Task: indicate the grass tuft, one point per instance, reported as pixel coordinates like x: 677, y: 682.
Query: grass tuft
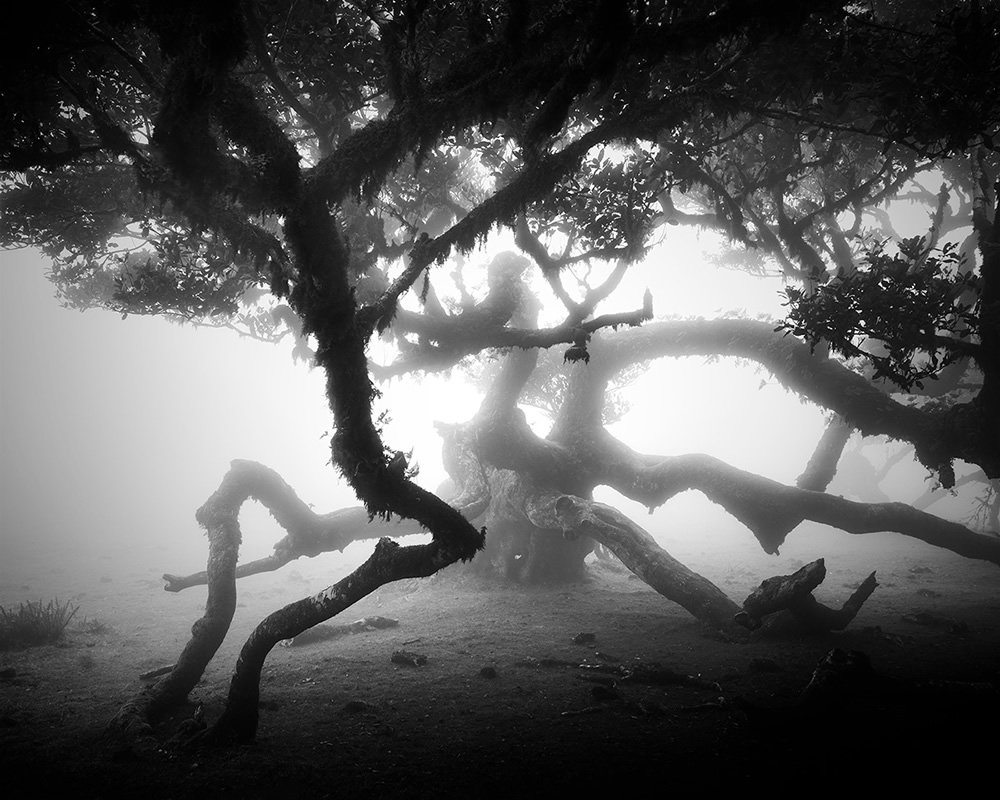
x: 33, y: 624
x: 93, y: 626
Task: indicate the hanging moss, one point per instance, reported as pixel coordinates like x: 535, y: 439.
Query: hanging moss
x: 245, y: 123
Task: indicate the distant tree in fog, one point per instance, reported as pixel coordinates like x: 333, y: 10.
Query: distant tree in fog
x: 323, y: 171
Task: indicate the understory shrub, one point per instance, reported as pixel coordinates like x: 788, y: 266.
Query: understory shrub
x: 33, y: 624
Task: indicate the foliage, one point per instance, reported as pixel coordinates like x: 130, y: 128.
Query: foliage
x: 305, y: 166
x: 910, y: 314
x: 731, y: 138
x: 228, y: 164
x: 34, y: 624
x: 609, y: 206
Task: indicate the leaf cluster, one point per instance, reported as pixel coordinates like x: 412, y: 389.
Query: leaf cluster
x: 193, y: 284
x: 609, y: 205
x: 427, y: 124
x: 909, y: 314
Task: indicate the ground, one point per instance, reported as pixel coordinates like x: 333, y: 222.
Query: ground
x: 339, y: 718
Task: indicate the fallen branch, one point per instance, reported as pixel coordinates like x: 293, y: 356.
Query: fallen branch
x: 793, y: 593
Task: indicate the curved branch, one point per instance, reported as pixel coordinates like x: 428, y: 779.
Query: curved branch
x: 939, y: 435
x: 219, y: 518
x: 771, y: 510
x: 308, y: 533
x: 532, y: 245
x: 460, y: 336
x: 390, y: 562
x: 523, y: 495
x: 821, y: 379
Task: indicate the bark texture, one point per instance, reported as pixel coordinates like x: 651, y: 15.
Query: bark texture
x: 308, y: 533
x: 641, y: 554
x: 822, y: 465
x: 794, y: 594
x: 389, y: 562
x: 219, y: 517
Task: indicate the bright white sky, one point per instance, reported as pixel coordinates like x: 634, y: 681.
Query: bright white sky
x: 113, y: 432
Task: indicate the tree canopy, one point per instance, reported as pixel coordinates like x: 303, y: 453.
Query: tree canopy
x: 322, y: 170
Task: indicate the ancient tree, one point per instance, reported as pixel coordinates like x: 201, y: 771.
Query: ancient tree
x: 323, y: 172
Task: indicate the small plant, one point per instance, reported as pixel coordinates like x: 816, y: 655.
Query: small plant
x: 92, y: 626
x: 34, y: 623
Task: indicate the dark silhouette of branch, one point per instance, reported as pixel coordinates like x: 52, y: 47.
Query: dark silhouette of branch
x: 822, y: 464
x: 270, y: 69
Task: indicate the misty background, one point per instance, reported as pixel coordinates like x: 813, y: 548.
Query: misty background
x: 113, y: 432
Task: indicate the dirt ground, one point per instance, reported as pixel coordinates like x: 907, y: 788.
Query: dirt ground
x: 507, y: 704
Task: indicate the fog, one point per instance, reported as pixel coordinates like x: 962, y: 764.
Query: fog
x: 113, y: 432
